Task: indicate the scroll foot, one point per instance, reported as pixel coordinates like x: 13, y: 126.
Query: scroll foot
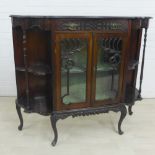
x: 53, y: 123
x: 139, y: 97
x: 130, y: 110
x: 20, y: 127
x: 123, y: 114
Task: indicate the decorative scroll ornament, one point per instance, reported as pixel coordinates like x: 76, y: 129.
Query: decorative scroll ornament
x: 69, y: 48
x: 71, y: 26
x: 69, y: 64
x: 111, y: 50
x: 91, y: 25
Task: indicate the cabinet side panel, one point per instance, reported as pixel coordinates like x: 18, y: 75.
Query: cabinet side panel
x: 33, y: 63
x: 132, y: 63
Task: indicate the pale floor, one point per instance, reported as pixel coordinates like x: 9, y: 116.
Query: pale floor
x: 90, y: 135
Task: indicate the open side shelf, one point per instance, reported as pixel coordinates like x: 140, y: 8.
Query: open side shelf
x: 36, y: 69
x: 132, y: 95
x: 38, y: 104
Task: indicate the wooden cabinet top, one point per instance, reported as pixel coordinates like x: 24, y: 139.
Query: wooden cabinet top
x: 80, y: 23
x: 70, y: 17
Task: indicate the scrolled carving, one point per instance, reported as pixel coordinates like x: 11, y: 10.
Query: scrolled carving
x: 90, y: 25
x: 26, y: 24
x: 55, y: 116
x: 85, y: 112
x: 72, y: 26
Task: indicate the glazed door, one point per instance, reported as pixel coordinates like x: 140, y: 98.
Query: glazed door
x: 109, y: 50
x: 73, y: 67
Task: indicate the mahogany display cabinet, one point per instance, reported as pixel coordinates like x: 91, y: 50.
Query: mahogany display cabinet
x: 77, y: 66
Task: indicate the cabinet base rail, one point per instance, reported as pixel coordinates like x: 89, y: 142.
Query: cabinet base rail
x: 55, y: 116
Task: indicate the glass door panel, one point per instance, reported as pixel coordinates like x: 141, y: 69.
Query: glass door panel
x: 74, y: 55
x: 73, y: 70
x: 108, y: 66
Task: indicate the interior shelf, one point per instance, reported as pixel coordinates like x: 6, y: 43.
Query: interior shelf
x: 78, y: 70
x: 74, y: 70
x: 105, y: 68
x: 109, y: 94
x: 36, y: 69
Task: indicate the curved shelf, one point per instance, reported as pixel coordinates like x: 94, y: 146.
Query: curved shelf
x: 74, y: 70
x: 36, y: 69
x: 78, y: 70
x: 105, y: 68
x: 38, y: 104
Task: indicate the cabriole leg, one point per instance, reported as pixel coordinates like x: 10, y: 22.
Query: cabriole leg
x: 20, y: 117
x: 123, y: 114
x: 130, y: 110
x: 53, y: 123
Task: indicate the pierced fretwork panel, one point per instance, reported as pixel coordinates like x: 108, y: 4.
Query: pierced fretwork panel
x: 108, y: 67
x: 73, y: 70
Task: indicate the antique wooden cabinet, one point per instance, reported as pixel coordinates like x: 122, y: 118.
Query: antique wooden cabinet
x: 77, y: 66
